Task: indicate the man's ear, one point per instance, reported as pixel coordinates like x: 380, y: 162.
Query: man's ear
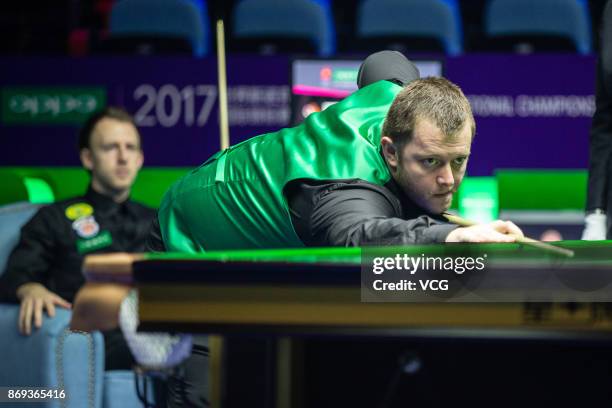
x: 390, y: 153
x: 86, y: 158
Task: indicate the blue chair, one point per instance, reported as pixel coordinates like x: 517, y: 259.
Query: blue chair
x: 54, y: 356
x: 535, y: 21
x: 301, y: 23
x: 411, y: 23
x: 144, y: 20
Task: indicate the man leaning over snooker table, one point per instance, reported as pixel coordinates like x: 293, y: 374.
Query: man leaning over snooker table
x: 377, y: 168
x: 337, y: 179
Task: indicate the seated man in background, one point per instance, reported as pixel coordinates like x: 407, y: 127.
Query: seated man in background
x: 44, y: 270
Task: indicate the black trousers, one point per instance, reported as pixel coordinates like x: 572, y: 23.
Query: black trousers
x: 189, y: 385
x: 117, y: 355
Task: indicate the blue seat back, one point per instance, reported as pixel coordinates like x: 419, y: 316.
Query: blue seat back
x: 563, y: 18
x: 289, y: 18
x: 174, y: 18
x: 420, y: 18
x: 12, y: 218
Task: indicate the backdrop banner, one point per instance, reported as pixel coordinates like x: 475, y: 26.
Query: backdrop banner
x: 531, y: 111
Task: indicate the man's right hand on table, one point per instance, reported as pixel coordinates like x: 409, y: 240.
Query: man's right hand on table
x: 34, y: 298
x: 496, y: 231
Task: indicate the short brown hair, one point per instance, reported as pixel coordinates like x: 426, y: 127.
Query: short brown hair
x: 111, y: 112
x: 433, y: 98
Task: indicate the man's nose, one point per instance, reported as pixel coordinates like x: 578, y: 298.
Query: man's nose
x: 122, y: 154
x: 445, y: 176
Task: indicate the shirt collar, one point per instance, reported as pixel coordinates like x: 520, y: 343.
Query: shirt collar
x: 103, y: 203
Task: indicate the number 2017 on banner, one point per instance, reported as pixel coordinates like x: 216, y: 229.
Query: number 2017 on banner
x: 169, y: 105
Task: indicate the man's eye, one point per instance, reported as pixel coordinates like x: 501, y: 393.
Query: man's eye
x: 459, y: 161
x: 430, y: 162
x: 108, y: 148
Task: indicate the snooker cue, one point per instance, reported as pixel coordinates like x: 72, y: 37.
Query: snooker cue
x: 215, y: 342
x: 522, y: 240
x: 222, y: 80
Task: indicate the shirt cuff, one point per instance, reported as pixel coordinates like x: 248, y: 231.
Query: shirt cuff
x: 438, y: 233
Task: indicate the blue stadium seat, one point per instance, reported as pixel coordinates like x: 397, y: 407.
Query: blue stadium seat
x: 408, y: 21
x: 530, y: 20
x: 162, y: 19
x: 293, y: 21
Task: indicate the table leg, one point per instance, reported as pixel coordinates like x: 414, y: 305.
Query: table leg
x: 215, y: 344
x: 289, y: 372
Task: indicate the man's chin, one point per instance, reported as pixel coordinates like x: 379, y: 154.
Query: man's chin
x: 433, y: 204
x: 439, y: 208
x: 122, y: 183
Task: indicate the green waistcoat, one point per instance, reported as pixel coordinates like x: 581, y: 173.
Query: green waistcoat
x: 235, y: 200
